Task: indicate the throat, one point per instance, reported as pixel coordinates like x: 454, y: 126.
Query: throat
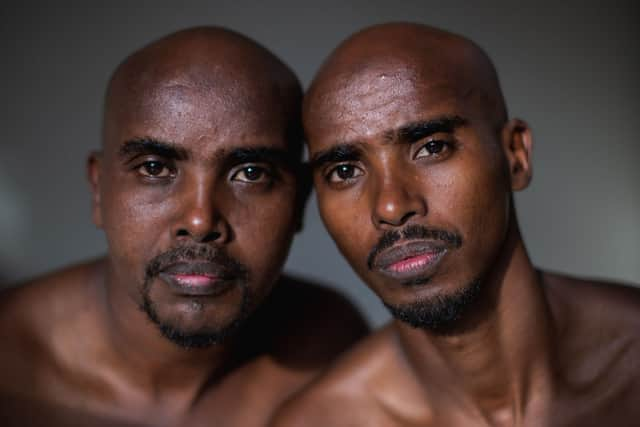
x: 502, y: 360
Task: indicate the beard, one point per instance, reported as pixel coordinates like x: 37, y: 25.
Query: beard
x: 440, y: 314
x: 198, y: 338
x: 204, y: 336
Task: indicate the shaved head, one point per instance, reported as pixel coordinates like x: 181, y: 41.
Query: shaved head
x: 402, y: 57
x: 240, y: 74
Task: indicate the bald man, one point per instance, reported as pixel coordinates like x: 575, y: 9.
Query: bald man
x: 413, y: 153
x: 187, y: 320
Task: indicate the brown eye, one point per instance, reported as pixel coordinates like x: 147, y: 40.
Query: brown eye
x: 154, y: 169
x: 432, y: 148
x: 250, y: 174
x: 344, y: 172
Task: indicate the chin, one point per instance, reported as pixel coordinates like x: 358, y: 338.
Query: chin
x: 440, y: 312
x: 203, y: 337
x: 196, y: 324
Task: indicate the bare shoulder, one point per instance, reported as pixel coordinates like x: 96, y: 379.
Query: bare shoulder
x: 296, y: 333
x: 608, y: 304
x: 312, y: 323
x: 369, y: 385
x: 598, y: 337
x: 29, y: 315
x: 26, y: 304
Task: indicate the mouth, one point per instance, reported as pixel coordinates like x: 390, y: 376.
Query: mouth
x: 411, y: 260
x: 197, y: 279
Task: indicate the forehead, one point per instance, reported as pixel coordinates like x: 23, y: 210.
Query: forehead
x: 368, y: 102
x: 184, y: 110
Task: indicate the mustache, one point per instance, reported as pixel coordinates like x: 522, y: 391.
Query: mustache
x: 228, y: 265
x: 413, y: 232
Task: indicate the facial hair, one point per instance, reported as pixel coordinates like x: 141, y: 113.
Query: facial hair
x: 440, y: 313
x: 204, y: 337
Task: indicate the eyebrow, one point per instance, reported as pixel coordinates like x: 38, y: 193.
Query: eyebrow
x: 147, y: 145
x: 408, y: 133
x: 272, y: 155
x: 343, y: 152
x: 414, y: 131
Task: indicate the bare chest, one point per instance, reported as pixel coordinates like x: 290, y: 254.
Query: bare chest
x: 246, y: 397
x: 615, y: 403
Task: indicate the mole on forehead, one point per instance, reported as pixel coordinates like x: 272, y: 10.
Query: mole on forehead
x: 388, y: 79
x: 386, y: 91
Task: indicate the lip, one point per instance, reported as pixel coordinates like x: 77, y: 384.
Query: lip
x: 197, y: 279
x: 410, y: 260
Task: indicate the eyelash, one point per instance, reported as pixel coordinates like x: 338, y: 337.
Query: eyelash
x: 142, y: 169
x: 268, y: 173
x: 335, y: 170
x: 445, y: 147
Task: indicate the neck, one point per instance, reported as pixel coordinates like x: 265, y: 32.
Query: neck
x: 145, y: 367
x: 499, y: 360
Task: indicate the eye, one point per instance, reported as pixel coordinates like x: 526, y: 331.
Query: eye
x: 344, y: 172
x: 251, y: 173
x: 154, y: 169
x: 433, y: 149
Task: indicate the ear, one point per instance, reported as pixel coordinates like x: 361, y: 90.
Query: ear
x: 517, y: 145
x: 304, y: 183
x: 93, y: 175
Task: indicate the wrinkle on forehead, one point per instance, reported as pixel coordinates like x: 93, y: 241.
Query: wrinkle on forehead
x: 183, y: 113
x: 381, y: 100
x: 385, y: 66
x: 206, y: 75
x: 223, y: 87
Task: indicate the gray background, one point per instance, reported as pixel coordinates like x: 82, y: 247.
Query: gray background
x: 571, y: 70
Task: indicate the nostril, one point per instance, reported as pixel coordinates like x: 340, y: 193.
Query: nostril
x: 406, y: 217
x: 211, y: 237
x: 397, y: 221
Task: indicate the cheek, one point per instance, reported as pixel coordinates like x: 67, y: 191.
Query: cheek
x: 489, y: 199
x: 263, y: 228
x: 135, y: 224
x: 348, y: 221
x: 477, y: 203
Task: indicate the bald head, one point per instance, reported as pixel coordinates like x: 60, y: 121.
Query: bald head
x: 239, y: 79
x: 401, y: 57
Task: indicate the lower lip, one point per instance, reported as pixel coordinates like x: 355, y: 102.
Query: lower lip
x: 196, y: 284
x: 195, y: 279
x: 419, y: 265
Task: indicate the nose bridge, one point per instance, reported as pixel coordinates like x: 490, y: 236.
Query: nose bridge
x: 201, y: 206
x: 397, y: 198
x: 200, y: 216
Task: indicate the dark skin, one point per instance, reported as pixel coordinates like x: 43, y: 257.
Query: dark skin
x: 199, y: 151
x: 407, y: 128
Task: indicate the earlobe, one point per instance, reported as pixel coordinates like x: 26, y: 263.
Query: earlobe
x: 93, y: 175
x: 518, y: 145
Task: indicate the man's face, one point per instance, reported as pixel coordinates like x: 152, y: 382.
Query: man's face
x: 197, y: 196
x: 412, y: 186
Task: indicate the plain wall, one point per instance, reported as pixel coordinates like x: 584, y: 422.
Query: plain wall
x: 570, y: 70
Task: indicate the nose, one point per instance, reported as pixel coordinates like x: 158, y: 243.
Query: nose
x: 397, y: 199
x: 200, y: 216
